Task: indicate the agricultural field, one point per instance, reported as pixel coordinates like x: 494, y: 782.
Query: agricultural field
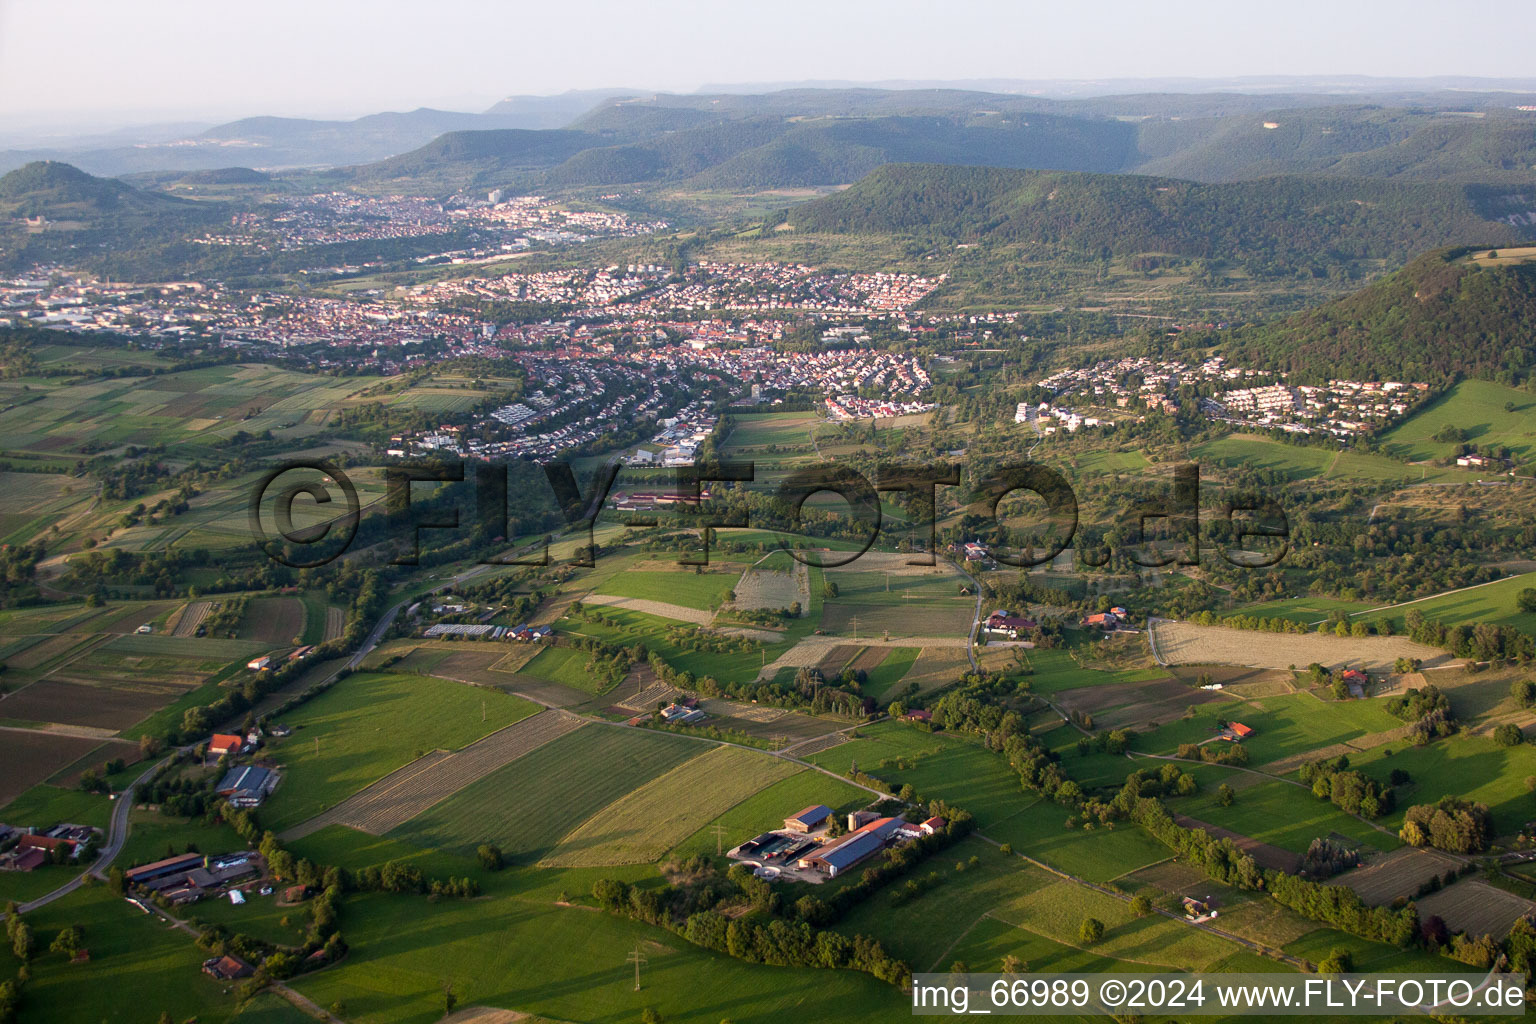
x: 777, y: 582
x: 647, y: 822
x: 1472, y: 767
x: 1475, y: 907
x: 409, y: 791
x: 519, y: 955
x: 905, y: 602
x: 767, y: 808
x: 191, y: 407
x: 1308, y: 610
x: 890, y: 670
x: 1055, y: 911
x: 527, y: 806
x: 274, y: 621
x: 1396, y: 875
x: 28, y: 756
x: 1298, y: 462
x: 1038, y: 828
x: 703, y: 591
x: 949, y: 910
x: 565, y: 666
x: 1477, y: 408
x: 1492, y: 603
x: 1183, y: 643
x: 739, y: 664
x: 1137, y: 705
x: 370, y: 724
x: 36, y: 501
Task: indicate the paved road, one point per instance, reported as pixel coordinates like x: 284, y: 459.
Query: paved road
x: 117, y: 835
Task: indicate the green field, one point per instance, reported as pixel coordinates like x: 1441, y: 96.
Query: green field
x: 1473, y: 767
x: 648, y: 821
x: 139, y: 967
x: 739, y: 664
x: 773, y: 428
x: 885, y: 676
x: 702, y: 591
x: 1283, y: 725
x: 1493, y: 603
x: 1298, y: 462
x: 1475, y: 407
x: 767, y: 809
x: 563, y: 665
x: 368, y: 725
x: 527, y: 806
x: 949, y: 910
x: 1302, y: 609
x: 1038, y: 829
x: 1277, y: 813
x: 568, y: 964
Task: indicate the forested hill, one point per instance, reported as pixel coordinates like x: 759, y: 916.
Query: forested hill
x: 1274, y: 221
x: 1443, y: 315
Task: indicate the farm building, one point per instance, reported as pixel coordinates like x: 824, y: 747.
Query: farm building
x: 1237, y: 732
x: 223, y: 743
x: 1106, y: 621
x: 919, y: 715
x: 147, y: 874
x: 259, y: 664
x: 853, y: 848
x: 22, y: 860
x: 247, y: 786
x: 227, y: 968
x: 1358, y: 682
x: 808, y: 819
x: 681, y: 714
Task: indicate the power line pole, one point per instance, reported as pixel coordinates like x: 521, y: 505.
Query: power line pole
x: 855, y: 623
x: 637, y: 958
x: 719, y: 831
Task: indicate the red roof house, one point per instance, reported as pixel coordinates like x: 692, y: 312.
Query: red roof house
x: 1239, y: 730
x: 223, y: 743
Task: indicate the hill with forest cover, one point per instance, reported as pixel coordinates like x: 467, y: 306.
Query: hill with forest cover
x: 1262, y: 224
x: 468, y: 155
x: 1442, y: 316
x: 89, y: 219
x: 61, y: 192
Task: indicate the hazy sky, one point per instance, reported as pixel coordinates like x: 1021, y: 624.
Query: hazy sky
x: 119, y: 60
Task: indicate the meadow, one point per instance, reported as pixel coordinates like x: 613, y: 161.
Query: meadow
x: 1478, y: 409
x: 368, y: 725
x: 1283, y: 725
x: 566, y: 963
x: 704, y: 591
x: 1303, y: 462
x: 1493, y: 603
x: 139, y: 967
x: 563, y: 665
x: 1277, y: 813
x: 738, y: 665
x: 1472, y: 767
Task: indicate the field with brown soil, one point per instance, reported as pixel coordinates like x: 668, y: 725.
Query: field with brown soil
x: 115, y: 708
x: 1396, y: 875
x: 1183, y: 643
x: 1475, y: 907
x: 28, y: 756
